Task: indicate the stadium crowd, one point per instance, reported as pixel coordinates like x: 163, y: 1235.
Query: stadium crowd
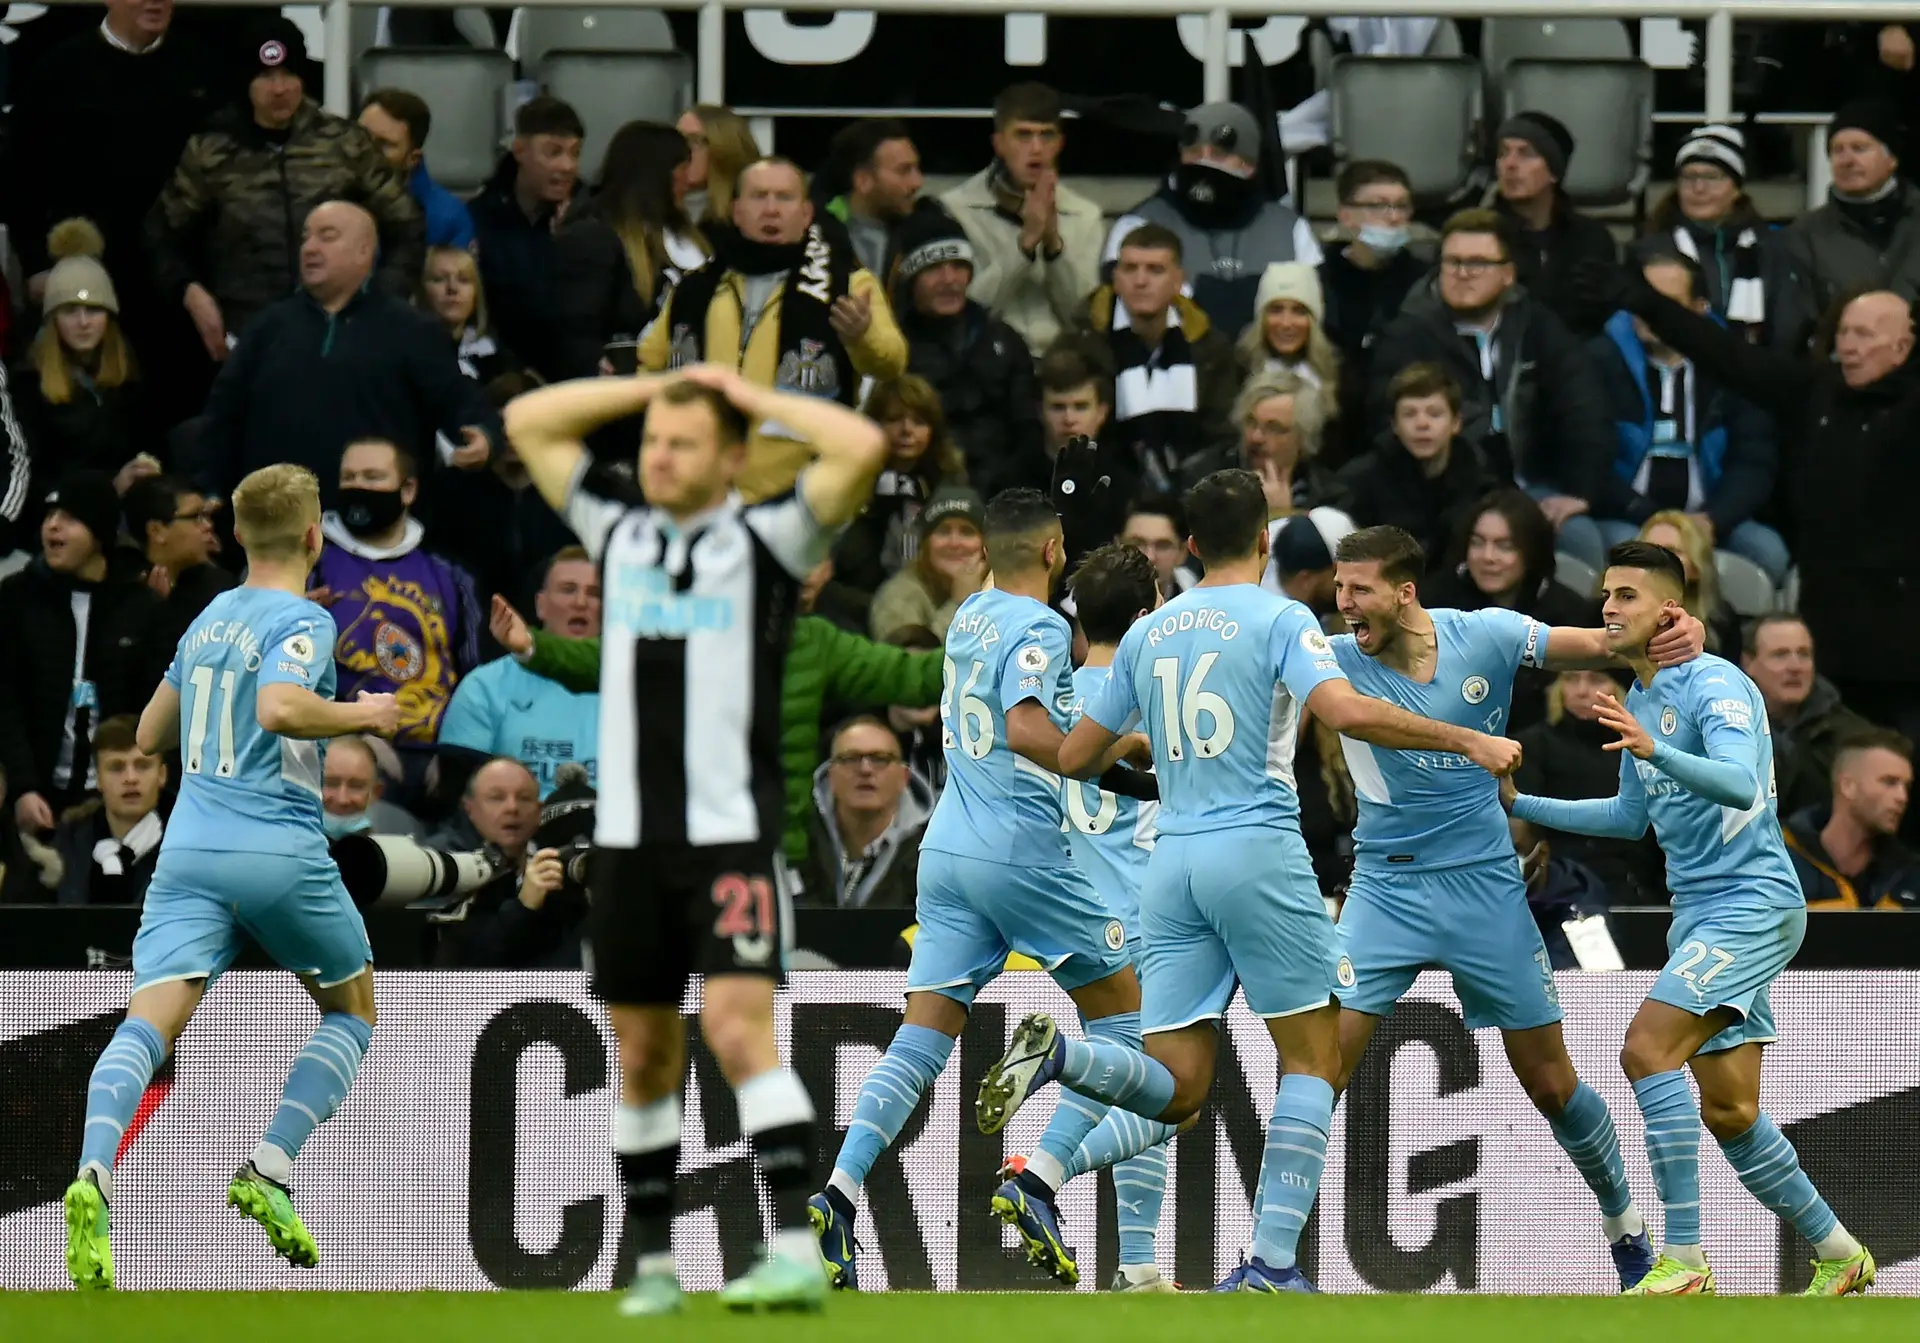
x: 233, y: 277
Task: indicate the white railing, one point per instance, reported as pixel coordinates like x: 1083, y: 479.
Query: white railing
x: 710, y: 63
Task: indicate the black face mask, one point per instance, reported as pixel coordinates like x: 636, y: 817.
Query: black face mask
x: 370, y: 512
x: 1213, y: 197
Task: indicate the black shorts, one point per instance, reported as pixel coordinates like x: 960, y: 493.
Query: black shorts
x: 662, y: 914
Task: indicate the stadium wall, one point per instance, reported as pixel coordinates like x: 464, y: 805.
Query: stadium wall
x: 472, y: 1152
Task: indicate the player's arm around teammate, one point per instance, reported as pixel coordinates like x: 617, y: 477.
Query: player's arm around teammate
x: 1572, y: 649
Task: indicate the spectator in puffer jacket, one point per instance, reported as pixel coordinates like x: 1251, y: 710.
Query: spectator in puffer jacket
x: 226, y: 231
x: 1550, y: 237
x: 978, y: 364
x: 823, y: 664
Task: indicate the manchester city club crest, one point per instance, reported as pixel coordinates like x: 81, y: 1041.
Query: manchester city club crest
x: 1669, y: 720
x: 1344, y: 973
x: 809, y: 370
x: 1116, y: 935
x: 1473, y: 689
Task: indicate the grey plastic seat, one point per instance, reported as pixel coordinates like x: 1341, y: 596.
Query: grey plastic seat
x: 610, y: 88
x: 541, y: 31
x: 1503, y: 41
x: 465, y: 88
x: 1744, y: 585
x: 1423, y: 113
x: 1607, y: 105
x: 1572, y: 572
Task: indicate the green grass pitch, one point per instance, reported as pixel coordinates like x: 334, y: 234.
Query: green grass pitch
x: 561, y: 1317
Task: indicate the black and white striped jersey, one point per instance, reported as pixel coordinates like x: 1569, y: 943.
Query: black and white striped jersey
x: 696, y: 622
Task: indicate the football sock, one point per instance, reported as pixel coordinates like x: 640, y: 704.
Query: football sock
x: 120, y: 1077
x: 646, y: 1148
x: 914, y: 1058
x: 1673, y: 1150
x: 1584, y: 1130
x: 321, y: 1076
x: 1295, y: 1157
x: 1770, y: 1169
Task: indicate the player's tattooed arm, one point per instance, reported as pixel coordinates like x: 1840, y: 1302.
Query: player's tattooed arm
x: 1352, y: 714
x: 1570, y: 649
x: 159, y: 728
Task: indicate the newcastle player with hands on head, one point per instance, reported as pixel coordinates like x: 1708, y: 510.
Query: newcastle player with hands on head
x: 699, y: 594
x: 1696, y: 760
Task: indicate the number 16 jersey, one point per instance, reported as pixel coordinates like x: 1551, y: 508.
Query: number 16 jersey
x: 243, y: 789
x: 1216, y: 678
x: 1002, y: 649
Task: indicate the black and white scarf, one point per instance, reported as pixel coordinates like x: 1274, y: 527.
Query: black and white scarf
x: 1156, y: 397
x: 1746, y: 291
x: 812, y: 360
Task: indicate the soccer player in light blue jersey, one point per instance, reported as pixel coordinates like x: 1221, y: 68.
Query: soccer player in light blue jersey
x: 1217, y: 678
x: 996, y: 876
x: 1436, y: 883
x: 1111, y: 838
x: 1696, y: 760
x: 247, y: 696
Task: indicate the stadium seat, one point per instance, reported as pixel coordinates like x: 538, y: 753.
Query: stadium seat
x: 1572, y: 572
x: 1422, y: 112
x: 465, y: 88
x: 610, y: 88
x: 1608, y: 107
x: 1790, y: 593
x: 542, y: 31
x: 1744, y: 585
x: 1503, y: 41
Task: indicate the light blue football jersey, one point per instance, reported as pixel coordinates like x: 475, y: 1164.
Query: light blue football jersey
x: 1216, y: 678
x: 1111, y: 836
x: 1423, y: 810
x: 501, y: 708
x: 1709, y: 708
x: 243, y: 789
x: 1001, y: 649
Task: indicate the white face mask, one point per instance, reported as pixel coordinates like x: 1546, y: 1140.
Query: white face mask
x: 1382, y: 238
x: 339, y: 827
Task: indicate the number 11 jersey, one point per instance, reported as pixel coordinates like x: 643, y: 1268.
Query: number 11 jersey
x: 1216, y: 678
x: 1002, y: 649
x: 242, y: 788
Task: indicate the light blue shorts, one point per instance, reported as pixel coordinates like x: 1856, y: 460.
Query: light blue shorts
x: 1238, y: 905
x: 973, y: 912
x: 1473, y: 922
x: 1726, y: 954
x: 201, y: 906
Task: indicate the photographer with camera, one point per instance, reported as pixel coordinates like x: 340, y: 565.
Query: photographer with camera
x: 532, y: 914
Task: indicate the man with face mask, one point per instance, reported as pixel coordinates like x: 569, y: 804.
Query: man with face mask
x: 351, y: 793
x: 1229, y: 231
x: 1366, y: 279
x: 409, y: 622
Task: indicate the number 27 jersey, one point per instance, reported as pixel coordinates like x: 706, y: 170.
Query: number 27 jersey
x: 1002, y: 649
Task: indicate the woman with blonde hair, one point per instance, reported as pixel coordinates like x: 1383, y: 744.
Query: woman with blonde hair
x: 1282, y: 418
x: 79, y: 397
x: 721, y: 143
x: 451, y: 291
x: 1287, y: 335
x: 1686, y: 538
x: 949, y: 567
x: 615, y: 259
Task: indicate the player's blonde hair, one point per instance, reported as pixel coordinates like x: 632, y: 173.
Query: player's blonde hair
x: 272, y: 509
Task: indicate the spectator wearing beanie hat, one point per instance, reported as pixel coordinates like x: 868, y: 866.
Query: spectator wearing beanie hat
x: 978, y: 364
x: 950, y: 566
x: 225, y: 232
x: 1550, y: 236
x: 1230, y: 233
x: 53, y: 689
x: 1288, y: 334
x: 80, y: 401
x: 1707, y: 217
x: 1867, y: 235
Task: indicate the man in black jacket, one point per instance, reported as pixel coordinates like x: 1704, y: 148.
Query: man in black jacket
x: 979, y: 365
x: 878, y: 163
x: 172, y: 524
x: 335, y: 363
x: 1420, y: 476
x: 1550, y: 236
x: 1848, y: 424
x: 1531, y: 395
x: 110, y: 844
x: 514, y: 220
x: 54, y: 690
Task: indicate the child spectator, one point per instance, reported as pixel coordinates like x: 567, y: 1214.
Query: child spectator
x: 1420, y: 477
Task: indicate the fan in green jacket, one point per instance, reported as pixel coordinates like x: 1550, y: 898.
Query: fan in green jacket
x: 823, y: 661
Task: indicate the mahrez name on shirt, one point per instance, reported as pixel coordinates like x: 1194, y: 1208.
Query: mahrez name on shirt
x: 976, y: 622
